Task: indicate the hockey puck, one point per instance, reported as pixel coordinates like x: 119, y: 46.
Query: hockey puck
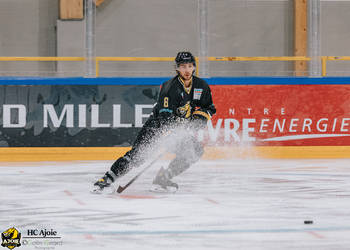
x: 308, y: 222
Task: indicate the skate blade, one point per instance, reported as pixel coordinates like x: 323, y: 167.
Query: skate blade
x: 158, y: 189
x: 106, y: 190
x: 96, y: 191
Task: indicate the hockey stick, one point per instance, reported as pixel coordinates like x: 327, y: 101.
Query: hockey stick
x: 121, y: 189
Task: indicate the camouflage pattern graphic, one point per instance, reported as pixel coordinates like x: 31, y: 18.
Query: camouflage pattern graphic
x: 100, y: 116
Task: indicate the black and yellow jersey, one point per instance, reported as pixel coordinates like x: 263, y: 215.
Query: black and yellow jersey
x: 175, y: 100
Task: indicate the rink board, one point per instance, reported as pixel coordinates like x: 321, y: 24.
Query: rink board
x: 98, y: 119
x: 211, y: 153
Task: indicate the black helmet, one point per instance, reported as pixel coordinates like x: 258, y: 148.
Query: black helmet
x: 184, y: 57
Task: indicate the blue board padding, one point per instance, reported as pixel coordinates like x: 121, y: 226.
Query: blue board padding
x: 160, y: 80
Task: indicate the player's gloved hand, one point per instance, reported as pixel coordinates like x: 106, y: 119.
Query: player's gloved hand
x: 200, y: 117
x: 184, y: 111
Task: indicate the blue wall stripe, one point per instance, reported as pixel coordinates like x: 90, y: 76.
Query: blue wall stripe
x: 160, y: 80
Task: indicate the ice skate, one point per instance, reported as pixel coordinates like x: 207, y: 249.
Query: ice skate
x: 104, y: 185
x: 162, y: 183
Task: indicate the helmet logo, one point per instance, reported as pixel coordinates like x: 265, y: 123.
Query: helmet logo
x: 184, y: 57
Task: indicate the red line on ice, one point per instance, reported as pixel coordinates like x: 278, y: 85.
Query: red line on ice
x: 316, y: 235
x: 212, y: 201
x: 89, y: 237
x: 80, y: 202
x: 68, y: 193
x: 135, y: 196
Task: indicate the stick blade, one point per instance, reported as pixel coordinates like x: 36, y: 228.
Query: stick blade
x: 120, y: 189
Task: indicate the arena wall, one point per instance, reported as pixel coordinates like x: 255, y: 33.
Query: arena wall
x: 161, y: 28
x: 98, y: 118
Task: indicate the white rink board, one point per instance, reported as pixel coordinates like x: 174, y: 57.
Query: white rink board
x: 237, y: 204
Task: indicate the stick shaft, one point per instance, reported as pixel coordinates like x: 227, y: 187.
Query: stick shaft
x: 121, y: 189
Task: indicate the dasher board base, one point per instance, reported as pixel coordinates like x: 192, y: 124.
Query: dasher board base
x: 211, y: 153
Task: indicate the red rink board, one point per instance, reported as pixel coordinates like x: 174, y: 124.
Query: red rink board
x: 288, y: 115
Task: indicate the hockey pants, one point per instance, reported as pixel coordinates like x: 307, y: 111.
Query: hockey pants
x: 188, y: 151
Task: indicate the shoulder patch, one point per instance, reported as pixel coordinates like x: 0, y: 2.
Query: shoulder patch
x: 197, y: 93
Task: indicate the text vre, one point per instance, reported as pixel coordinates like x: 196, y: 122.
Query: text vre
x: 247, y: 130
x: 15, y: 116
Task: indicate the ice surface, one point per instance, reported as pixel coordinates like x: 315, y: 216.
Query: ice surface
x: 236, y: 204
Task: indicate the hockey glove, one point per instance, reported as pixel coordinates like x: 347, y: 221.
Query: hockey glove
x: 200, y: 118
x: 184, y: 111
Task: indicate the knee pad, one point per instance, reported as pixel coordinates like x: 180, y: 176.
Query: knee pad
x: 195, y: 152
x: 190, y: 150
x: 199, y: 150
x: 177, y: 166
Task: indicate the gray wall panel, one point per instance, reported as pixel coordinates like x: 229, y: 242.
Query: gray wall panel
x: 161, y: 28
x: 335, y: 34
x: 27, y: 28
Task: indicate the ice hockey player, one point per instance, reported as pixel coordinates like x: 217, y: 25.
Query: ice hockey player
x: 184, y: 101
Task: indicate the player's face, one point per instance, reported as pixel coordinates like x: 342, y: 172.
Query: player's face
x: 186, y: 70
